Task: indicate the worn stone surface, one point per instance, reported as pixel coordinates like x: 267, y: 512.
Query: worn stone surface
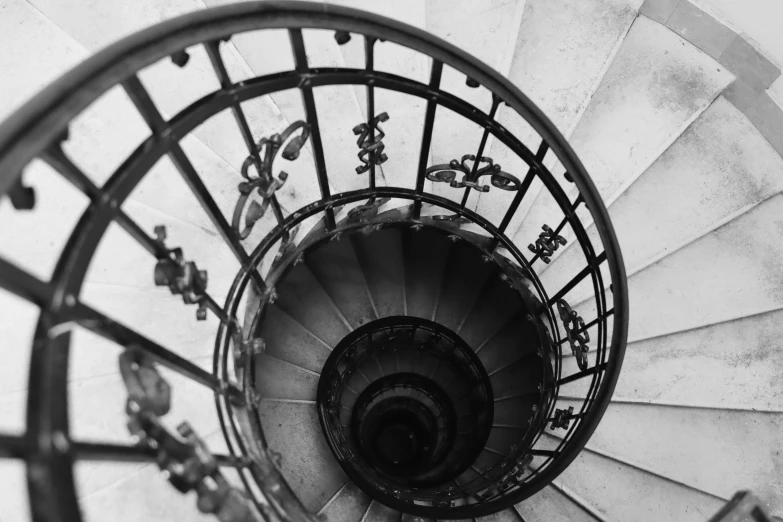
x: 687, y: 440
x: 701, y: 29
x: 311, y: 469
x: 621, y: 492
x: 733, y: 364
x: 563, y: 49
x: 551, y: 505
x: 742, y: 277
x: 748, y: 64
x: 721, y: 166
x: 767, y: 116
x: 350, y: 504
x: 659, y: 10
x: 657, y: 84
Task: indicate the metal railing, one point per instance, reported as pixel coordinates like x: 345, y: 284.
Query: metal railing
x: 38, y: 130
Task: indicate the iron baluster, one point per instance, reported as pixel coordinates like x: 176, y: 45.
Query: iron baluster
x: 264, y: 182
x: 306, y: 88
x: 426, y: 136
x: 482, y: 143
x: 213, y: 51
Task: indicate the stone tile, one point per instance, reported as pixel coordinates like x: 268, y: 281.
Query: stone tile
x: 741, y: 95
x: 659, y: 10
x: 767, y: 116
x: 747, y: 64
x: 701, y: 29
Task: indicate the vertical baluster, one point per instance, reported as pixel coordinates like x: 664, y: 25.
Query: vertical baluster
x: 300, y: 59
x: 426, y: 138
x: 480, y: 152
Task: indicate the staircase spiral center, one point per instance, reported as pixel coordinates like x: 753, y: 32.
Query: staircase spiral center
x: 404, y: 404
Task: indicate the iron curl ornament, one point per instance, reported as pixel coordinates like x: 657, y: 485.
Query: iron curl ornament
x: 547, y: 243
x: 371, y: 152
x: 264, y: 183
x: 472, y: 173
x: 182, y: 456
x: 577, y: 336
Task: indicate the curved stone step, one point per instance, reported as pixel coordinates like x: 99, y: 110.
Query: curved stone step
x: 551, y: 505
x: 288, y: 340
x: 740, y: 279
x: 464, y: 278
x: 349, y: 504
x: 377, y: 512
x: 719, y: 451
x: 337, y: 268
x: 302, y: 297
x: 718, y: 169
x: 293, y: 430
x: 657, y: 85
x: 279, y: 379
x: 426, y: 254
x: 381, y: 259
x: 563, y: 50
x: 733, y: 364
x: 623, y: 492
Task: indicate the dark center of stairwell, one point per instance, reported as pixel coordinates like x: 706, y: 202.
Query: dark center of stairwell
x: 405, y: 403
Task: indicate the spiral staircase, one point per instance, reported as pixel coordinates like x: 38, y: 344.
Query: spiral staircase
x: 363, y: 273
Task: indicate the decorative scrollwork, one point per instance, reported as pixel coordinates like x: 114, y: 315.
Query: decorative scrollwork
x: 562, y: 418
x: 372, y: 147
x: 577, y: 338
x: 183, y: 456
x: 546, y: 244
x: 22, y: 197
x: 264, y: 183
x: 371, y: 206
x: 448, y: 174
x: 182, y: 277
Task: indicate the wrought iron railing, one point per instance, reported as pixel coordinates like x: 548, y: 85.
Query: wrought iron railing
x: 38, y: 130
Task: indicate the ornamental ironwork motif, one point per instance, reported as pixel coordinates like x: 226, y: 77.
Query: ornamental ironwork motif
x: 448, y: 173
x: 183, y: 457
x: 562, y: 418
x: 264, y: 183
x: 371, y: 152
x: 371, y: 206
x: 577, y: 335
x: 182, y: 277
x: 546, y: 244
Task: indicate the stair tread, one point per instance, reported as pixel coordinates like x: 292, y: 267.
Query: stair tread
x: 463, y: 281
x: 286, y: 339
x: 426, y: 253
x: 381, y: 513
x: 349, y: 505
x: 335, y: 266
x: 485, y: 320
x: 293, y: 430
x: 685, y: 446
x: 642, y: 104
x: 562, y: 51
x: 721, y: 166
x: 301, y: 296
x: 550, y: 505
x: 621, y: 492
x: 381, y: 258
x: 277, y: 379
